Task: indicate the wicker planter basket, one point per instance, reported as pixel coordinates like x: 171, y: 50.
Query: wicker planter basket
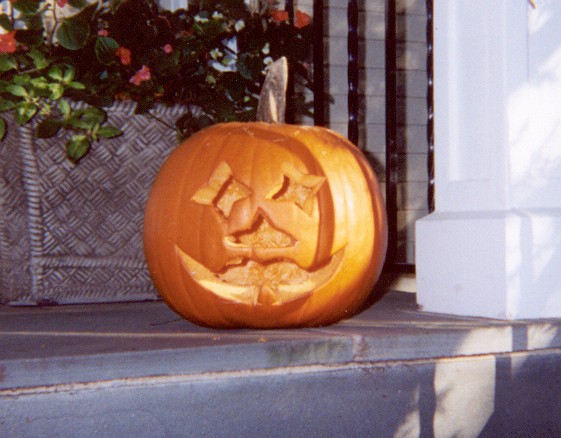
x: 73, y: 234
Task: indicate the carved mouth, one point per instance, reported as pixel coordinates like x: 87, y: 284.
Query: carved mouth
x: 249, y: 282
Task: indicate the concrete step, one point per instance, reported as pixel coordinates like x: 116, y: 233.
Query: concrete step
x: 136, y: 369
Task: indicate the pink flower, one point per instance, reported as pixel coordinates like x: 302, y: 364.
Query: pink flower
x: 8, y: 42
x: 61, y: 3
x: 103, y: 32
x: 167, y: 49
x: 140, y: 76
x: 124, y: 54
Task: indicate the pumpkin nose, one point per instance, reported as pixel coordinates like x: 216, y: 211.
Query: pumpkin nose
x: 243, y: 215
x: 262, y: 235
x: 271, y: 230
x: 260, y: 241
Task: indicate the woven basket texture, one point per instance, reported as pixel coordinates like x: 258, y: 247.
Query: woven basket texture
x: 73, y: 233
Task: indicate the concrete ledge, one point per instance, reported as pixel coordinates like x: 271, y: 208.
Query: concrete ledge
x: 100, y: 369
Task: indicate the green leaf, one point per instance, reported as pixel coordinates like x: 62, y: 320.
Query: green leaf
x: 77, y: 85
x: 73, y: 33
x: 55, y: 73
x: 94, y: 115
x: 2, y: 128
x: 40, y: 82
x: 78, y: 4
x: 109, y: 132
x: 27, y: 7
x: 46, y: 108
x: 210, y: 29
x: 32, y: 22
x: 5, y: 22
x: 77, y: 147
x: 16, y: 90
x: 39, y: 59
x: 47, y: 128
x: 197, y: 28
x: 105, y: 48
x: 6, y: 105
x: 7, y: 63
x: 69, y: 75
x: 57, y: 90
x: 25, y: 112
x: 77, y: 123
x: 23, y: 79
x: 64, y: 108
x: 249, y: 66
x: 87, y: 118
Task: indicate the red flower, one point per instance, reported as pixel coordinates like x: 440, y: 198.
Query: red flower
x: 140, y: 76
x: 103, y: 32
x: 301, y: 19
x: 8, y: 42
x: 124, y: 54
x: 279, y: 15
x: 61, y: 3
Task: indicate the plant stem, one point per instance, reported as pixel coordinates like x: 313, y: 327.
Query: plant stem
x: 55, y: 23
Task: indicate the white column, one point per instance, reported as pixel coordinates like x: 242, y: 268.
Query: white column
x: 493, y: 246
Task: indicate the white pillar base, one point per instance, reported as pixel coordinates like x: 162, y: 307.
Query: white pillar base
x: 493, y: 247
x: 495, y: 264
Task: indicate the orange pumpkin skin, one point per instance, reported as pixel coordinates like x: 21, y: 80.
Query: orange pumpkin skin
x: 265, y: 226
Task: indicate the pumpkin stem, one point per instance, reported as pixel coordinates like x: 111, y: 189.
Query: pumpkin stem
x: 272, y: 100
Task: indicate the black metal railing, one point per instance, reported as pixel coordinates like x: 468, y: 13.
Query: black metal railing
x: 430, y: 110
x: 318, y: 62
x: 392, y: 159
x: 352, y: 71
x: 392, y: 109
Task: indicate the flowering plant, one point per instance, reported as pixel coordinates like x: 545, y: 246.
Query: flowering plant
x: 209, y: 57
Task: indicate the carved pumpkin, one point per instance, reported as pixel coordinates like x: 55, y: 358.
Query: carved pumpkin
x: 265, y: 226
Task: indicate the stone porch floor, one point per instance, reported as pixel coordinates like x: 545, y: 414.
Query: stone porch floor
x: 137, y: 369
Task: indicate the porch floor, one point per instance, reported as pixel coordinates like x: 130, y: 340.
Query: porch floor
x: 137, y: 369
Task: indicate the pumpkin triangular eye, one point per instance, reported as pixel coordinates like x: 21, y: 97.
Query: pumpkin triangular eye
x: 222, y: 190
x: 298, y: 187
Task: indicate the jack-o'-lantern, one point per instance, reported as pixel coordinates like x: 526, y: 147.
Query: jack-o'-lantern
x: 266, y: 226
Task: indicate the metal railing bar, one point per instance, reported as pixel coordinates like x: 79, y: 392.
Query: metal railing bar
x: 352, y: 70
x: 290, y: 93
x: 391, y: 135
x: 430, y: 109
x: 318, y: 63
